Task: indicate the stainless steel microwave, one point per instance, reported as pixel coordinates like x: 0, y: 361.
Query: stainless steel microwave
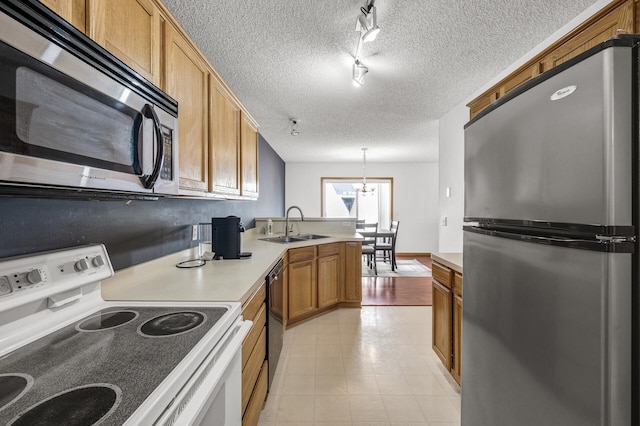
x: 74, y: 116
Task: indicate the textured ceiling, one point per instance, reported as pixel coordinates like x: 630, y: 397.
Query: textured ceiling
x: 292, y: 59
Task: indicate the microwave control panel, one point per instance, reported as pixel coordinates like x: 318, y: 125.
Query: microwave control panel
x: 167, y: 162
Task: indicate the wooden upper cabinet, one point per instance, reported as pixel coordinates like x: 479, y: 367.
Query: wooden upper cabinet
x: 72, y: 11
x: 618, y: 17
x: 130, y: 30
x: 249, y: 156
x: 224, y: 136
x: 616, y: 21
x: 186, y: 79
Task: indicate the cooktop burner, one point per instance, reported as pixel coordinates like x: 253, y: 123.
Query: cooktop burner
x: 84, y: 405
x: 107, y: 374
x: 172, y: 324
x: 12, y: 387
x: 107, y: 320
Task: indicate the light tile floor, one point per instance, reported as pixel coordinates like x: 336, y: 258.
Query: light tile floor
x: 362, y: 367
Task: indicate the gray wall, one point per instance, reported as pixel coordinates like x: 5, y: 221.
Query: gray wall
x: 133, y: 231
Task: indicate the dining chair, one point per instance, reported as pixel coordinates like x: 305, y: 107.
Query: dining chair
x: 369, y: 244
x: 387, y: 248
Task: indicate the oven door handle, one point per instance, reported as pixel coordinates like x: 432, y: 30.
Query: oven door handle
x: 149, y: 180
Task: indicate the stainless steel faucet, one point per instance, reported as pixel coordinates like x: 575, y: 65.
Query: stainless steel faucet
x: 286, y: 225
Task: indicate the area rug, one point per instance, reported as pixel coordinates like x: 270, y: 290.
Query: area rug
x: 406, y: 268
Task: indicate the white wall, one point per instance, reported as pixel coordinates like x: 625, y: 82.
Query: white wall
x: 415, y: 195
x: 451, y: 143
x: 451, y: 175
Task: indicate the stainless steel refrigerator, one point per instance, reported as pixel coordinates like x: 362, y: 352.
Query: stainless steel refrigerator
x: 550, y: 308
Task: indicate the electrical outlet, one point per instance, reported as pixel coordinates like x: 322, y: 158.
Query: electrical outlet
x: 194, y: 232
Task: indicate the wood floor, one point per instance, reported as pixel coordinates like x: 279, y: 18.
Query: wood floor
x: 390, y: 291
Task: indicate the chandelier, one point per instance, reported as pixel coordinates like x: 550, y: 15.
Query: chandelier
x: 364, y: 190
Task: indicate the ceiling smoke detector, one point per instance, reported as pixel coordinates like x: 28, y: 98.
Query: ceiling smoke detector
x: 294, y: 127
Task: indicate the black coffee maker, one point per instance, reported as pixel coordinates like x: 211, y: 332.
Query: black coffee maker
x: 226, y: 238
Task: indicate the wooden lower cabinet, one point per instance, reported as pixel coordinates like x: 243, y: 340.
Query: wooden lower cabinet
x: 254, y: 353
x: 352, y: 289
x: 302, y: 295
x: 252, y: 413
x: 322, y: 277
x: 456, y: 362
x: 441, y: 322
x: 330, y: 261
x: 447, y: 318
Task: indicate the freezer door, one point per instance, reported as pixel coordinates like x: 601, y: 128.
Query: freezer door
x: 546, y: 335
x: 566, y: 160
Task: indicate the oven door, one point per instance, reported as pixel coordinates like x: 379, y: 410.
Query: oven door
x: 213, y: 394
x: 65, y: 123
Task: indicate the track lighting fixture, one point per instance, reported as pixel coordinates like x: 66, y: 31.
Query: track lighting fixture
x: 371, y: 29
x: 367, y: 26
x: 359, y: 72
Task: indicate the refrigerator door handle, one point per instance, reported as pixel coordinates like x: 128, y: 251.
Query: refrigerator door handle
x: 607, y: 244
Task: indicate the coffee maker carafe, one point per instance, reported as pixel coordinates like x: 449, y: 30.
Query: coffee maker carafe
x: 226, y: 238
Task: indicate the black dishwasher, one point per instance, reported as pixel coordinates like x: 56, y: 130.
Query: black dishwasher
x: 275, y: 329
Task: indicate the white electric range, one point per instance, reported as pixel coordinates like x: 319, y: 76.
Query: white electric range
x: 69, y: 357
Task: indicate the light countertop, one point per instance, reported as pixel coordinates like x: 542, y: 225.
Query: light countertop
x: 451, y: 260
x: 227, y: 280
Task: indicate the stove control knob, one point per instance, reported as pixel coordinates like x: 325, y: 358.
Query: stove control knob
x: 34, y: 276
x: 81, y: 265
x: 97, y: 261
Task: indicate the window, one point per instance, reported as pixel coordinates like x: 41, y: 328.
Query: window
x: 343, y: 197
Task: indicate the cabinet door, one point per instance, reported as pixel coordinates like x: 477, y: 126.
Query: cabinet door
x: 302, y: 288
x: 328, y: 280
x: 249, y: 157
x: 130, y: 30
x: 224, y: 136
x: 353, y: 272
x: 72, y: 11
x: 186, y: 76
x: 456, y: 363
x: 441, y: 322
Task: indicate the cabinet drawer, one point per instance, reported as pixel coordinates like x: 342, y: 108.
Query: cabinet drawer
x: 252, y: 369
x: 252, y: 415
x: 250, y: 341
x: 442, y: 274
x: 457, y: 283
x: 253, y: 305
x: 328, y: 249
x: 302, y: 253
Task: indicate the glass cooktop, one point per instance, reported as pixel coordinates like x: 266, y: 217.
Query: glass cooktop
x: 101, y: 368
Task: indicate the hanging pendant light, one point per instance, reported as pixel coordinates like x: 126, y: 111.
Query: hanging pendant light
x: 364, y: 188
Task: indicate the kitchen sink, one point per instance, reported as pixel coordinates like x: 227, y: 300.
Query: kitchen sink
x: 294, y: 239
x: 310, y: 236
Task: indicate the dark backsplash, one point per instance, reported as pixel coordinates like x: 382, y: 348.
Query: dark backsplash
x: 134, y: 231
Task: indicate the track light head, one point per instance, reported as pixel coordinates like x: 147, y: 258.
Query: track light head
x: 370, y: 31
x: 359, y: 71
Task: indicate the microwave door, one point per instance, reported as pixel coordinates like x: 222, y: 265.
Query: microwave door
x: 63, y: 132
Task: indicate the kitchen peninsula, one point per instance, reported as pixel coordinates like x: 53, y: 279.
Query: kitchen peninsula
x: 319, y: 275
